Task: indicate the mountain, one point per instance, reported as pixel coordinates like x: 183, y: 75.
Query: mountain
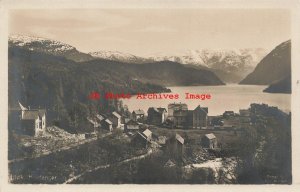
x: 273, y: 67
x: 120, y: 64
x: 48, y: 46
x: 164, y: 73
x: 281, y: 86
x: 229, y: 65
x: 61, y: 85
x: 218, y: 59
x: 119, y: 56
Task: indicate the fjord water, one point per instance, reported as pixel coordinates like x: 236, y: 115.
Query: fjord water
x: 223, y: 98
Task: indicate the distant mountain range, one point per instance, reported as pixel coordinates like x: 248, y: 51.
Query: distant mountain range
x: 121, y: 57
x: 165, y: 73
x: 231, y: 66
x: 273, y: 69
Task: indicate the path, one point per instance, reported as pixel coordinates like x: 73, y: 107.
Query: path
x: 107, y: 166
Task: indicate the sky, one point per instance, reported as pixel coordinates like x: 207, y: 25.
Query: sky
x: 147, y: 31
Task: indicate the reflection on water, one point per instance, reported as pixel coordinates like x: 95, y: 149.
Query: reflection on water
x: 227, y: 97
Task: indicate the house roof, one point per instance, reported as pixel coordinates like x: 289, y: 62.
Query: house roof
x: 157, y: 110
x: 210, y: 136
x: 116, y: 114
x: 22, y: 107
x: 147, y: 133
x: 100, y: 117
x: 161, y: 109
x: 108, y: 121
x: 33, y: 114
x: 92, y: 120
x: 175, y: 105
x: 204, y: 109
x: 140, y: 134
x: 138, y: 112
x: 179, y: 138
x: 126, y: 120
x: 169, y: 163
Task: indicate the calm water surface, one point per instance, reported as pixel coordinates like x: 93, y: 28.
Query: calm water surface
x: 227, y: 97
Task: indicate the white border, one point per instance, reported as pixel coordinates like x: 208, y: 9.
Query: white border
x: 293, y: 5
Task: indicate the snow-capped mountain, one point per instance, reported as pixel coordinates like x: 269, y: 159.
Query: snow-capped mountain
x: 48, y: 46
x: 229, y: 65
x: 217, y: 59
x: 120, y: 56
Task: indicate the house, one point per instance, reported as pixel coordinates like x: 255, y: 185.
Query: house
x: 175, y: 147
x: 245, y: 112
x: 175, y: 107
x: 156, y: 116
x: 227, y: 114
x: 131, y: 125
x: 33, y: 121
x: 94, y: 122
x: 148, y: 134
x: 180, y: 118
x: 138, y: 115
x: 209, y: 141
x: 115, y: 118
x: 140, y: 140
x: 199, y: 117
x: 107, y: 124
x: 196, y: 118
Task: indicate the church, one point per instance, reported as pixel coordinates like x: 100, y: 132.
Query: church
x: 33, y: 121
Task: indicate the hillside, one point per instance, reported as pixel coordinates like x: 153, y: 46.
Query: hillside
x: 165, y: 73
x: 48, y: 46
x: 274, y: 67
x: 281, y: 86
x: 62, y: 86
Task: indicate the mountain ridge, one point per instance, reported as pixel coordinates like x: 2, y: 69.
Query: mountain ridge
x: 229, y: 65
x: 273, y: 67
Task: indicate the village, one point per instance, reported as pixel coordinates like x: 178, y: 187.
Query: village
x: 139, y: 123
x: 181, y: 138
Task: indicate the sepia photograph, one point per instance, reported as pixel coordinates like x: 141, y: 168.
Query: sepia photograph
x: 150, y: 96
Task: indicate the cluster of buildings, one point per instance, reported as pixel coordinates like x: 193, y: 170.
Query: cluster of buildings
x: 177, y: 116
x: 105, y: 121
x: 173, y: 145
x: 34, y: 122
